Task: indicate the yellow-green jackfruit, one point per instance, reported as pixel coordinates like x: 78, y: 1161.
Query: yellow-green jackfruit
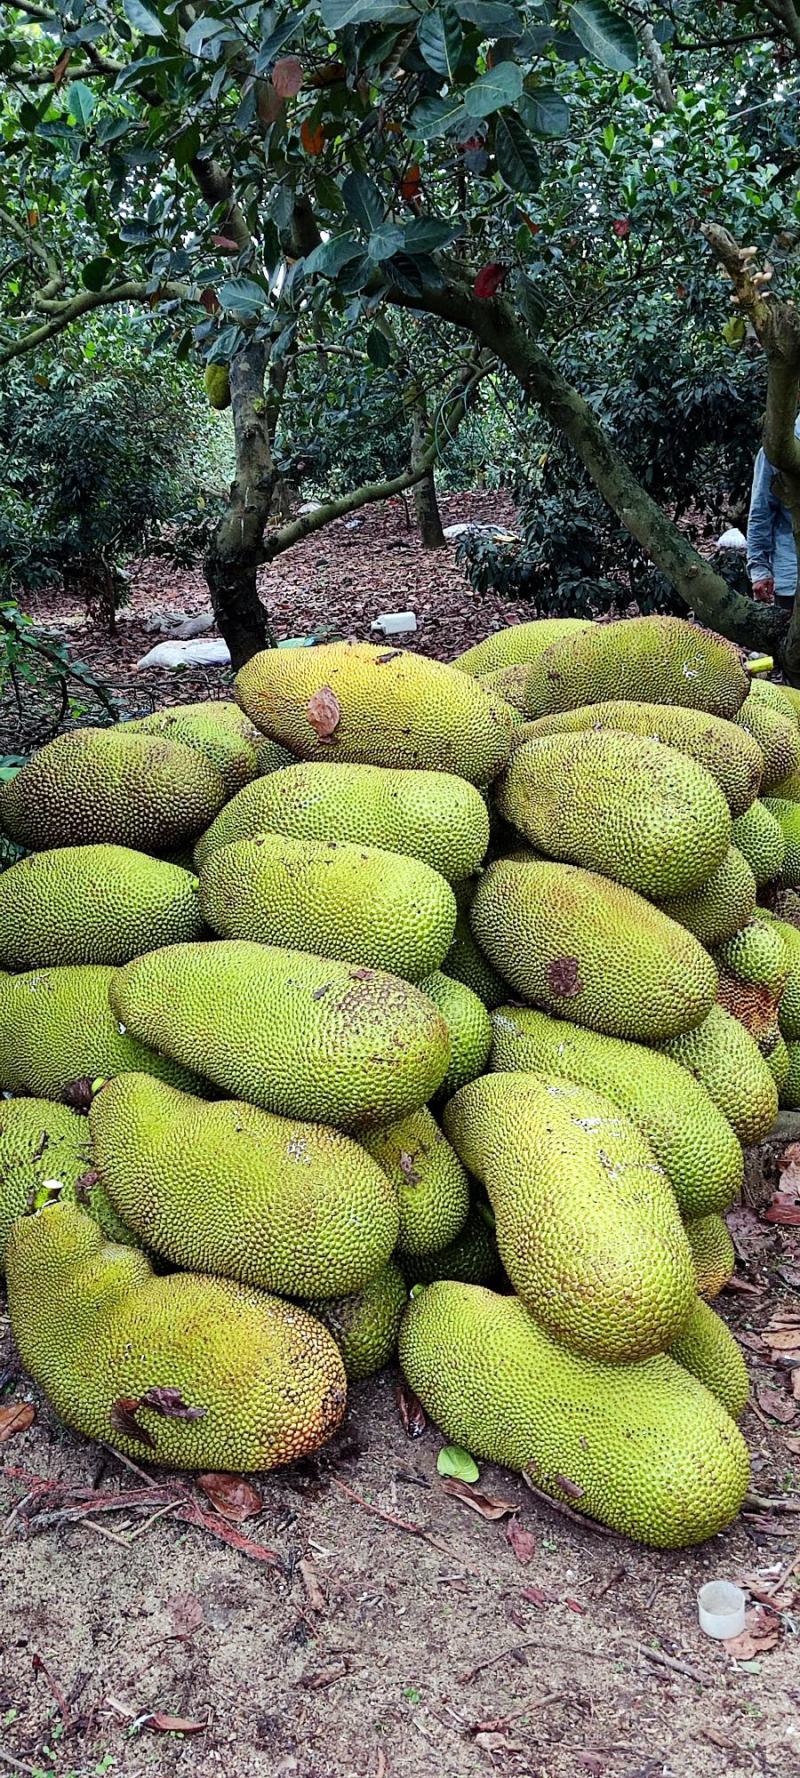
x: 271, y: 756
x: 58, y: 1033
x: 619, y: 804
x: 465, y: 961
x: 431, y: 1187
x: 721, y: 905
x: 46, y: 1156
x: 472, y: 1257
x: 777, y: 735
x: 780, y: 1061
x: 187, y: 1371
x: 726, y: 1060
x: 517, y: 643
x: 713, y: 1253
x: 365, y: 1326
x: 759, y: 838
x: 790, y: 1084
x: 789, y: 1005
x: 217, y: 384
x: 757, y: 954
x: 788, y: 788
x: 509, y: 683
x: 295, y: 1208
x: 104, y: 785
x: 376, y: 706
x: 765, y: 691
x: 729, y: 755
x: 689, y: 1137
x: 359, y: 903
x: 469, y: 1026
x: 300, y: 1035
x: 433, y: 816
x: 93, y: 904
x: 655, y: 660
x: 216, y: 729
x: 707, y: 1349
x: 587, y: 1223
x: 787, y: 816
x: 644, y: 1448
x: 754, y: 1006
x: 576, y: 944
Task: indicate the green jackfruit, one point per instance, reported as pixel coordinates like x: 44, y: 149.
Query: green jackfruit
x: 757, y: 954
x: 469, y: 1026
x: 186, y: 1371
x: 780, y: 1061
x: 790, y: 1087
x: 792, y: 696
x: 376, y: 706
x: 517, y: 643
x: 729, y: 755
x: 216, y: 729
x: 777, y: 735
x: 108, y: 786
x: 765, y: 691
x: 759, y: 838
x: 509, y: 683
x: 465, y: 961
x: 271, y: 756
x: 295, y: 1208
x: 358, y: 903
x: 713, y: 1253
x: 45, y: 1156
x: 619, y: 804
x: 93, y: 904
x: 726, y: 1060
x: 689, y: 1137
x: 709, y: 1351
x: 789, y: 1005
x: 217, y: 384
x: 787, y: 816
x: 433, y: 816
x: 58, y: 1033
x: 656, y: 660
x: 587, y: 1224
x: 788, y: 788
x: 644, y: 1448
x: 577, y: 944
x: 365, y: 1326
x: 472, y: 1257
x: 300, y: 1035
x: 430, y: 1185
x: 721, y: 905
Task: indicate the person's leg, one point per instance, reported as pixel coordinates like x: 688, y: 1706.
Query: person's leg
x: 784, y: 561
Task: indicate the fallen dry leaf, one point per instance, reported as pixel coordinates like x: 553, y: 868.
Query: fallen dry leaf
x: 15, y: 1416
x: 538, y: 1596
x: 172, y: 1725
x: 487, y: 1505
x: 752, y: 1341
x: 775, y: 1403
x: 323, y: 712
x: 784, y: 1210
x: 761, y: 1633
x: 746, y: 1232
x: 792, y: 1443
x: 411, y: 1411
x: 522, y: 1542
x: 187, y: 1614
x: 494, y: 1741
x: 575, y: 1605
x: 591, y: 1761
x: 233, y: 1497
x: 314, y: 1589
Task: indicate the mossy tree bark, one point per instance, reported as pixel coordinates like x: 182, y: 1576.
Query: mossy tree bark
x: 426, y: 506
x: 237, y: 548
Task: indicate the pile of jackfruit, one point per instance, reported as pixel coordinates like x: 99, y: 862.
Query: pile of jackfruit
x: 407, y: 1008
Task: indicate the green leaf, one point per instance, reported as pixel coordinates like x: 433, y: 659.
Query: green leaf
x: 185, y: 146
x: 363, y: 200
x: 142, y: 18
x: 497, y: 87
x: 492, y: 17
x: 533, y: 309
x: 455, y: 1461
x: 336, y: 14
x: 95, y: 274
x: 426, y: 234
x: 544, y: 112
x: 379, y: 351
x: 384, y: 241
x: 80, y: 100
x: 515, y: 156
x: 243, y: 295
x: 607, y: 38
x: 435, y: 117
x: 331, y: 255
x: 440, y: 38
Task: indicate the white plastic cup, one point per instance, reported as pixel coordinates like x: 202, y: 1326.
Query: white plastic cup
x: 721, y: 1609
x: 395, y: 623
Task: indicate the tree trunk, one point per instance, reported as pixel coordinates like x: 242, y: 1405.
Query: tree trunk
x: 429, y: 522
x: 237, y: 548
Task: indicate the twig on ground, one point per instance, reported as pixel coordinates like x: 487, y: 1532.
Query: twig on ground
x: 17, y: 1765
x: 776, y: 1503
x: 671, y: 1661
x: 498, y: 1723
x: 491, y: 1660
x: 568, y: 1512
x: 391, y: 1518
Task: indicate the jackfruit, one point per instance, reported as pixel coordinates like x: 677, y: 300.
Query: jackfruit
x: 721, y: 905
x: 217, y: 384
x: 780, y: 1061
x: 58, y: 1033
x: 757, y: 955
x: 643, y: 1448
x: 765, y: 691
x: 792, y: 696
x: 46, y: 1155
x: 754, y: 1006
x: 575, y: 943
x: 271, y: 756
x: 787, y: 816
x: 788, y: 788
x: 587, y: 1224
x: 365, y: 1326
x: 707, y: 1349
x: 465, y: 961
x: 656, y: 660
x: 300, y: 1035
x: 216, y: 729
x: 517, y: 643
x: 472, y: 1257
x: 358, y: 903
x: 789, y: 1004
x: 790, y: 1086
x: 376, y: 706
x: 108, y: 786
x: 295, y: 1208
x: 729, y: 755
x: 620, y: 804
x: 430, y: 1185
x: 432, y: 816
x: 777, y: 735
x: 469, y: 1026
x: 186, y: 1371
x: 713, y: 1253
x: 726, y: 1060
x: 759, y: 838
x: 510, y: 684
x: 689, y: 1137
x: 93, y: 904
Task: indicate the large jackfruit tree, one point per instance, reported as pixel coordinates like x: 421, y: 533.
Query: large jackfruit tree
x: 252, y: 178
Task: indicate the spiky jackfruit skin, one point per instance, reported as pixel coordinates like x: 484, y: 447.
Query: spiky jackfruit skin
x: 365, y: 1326
x: 653, y: 660
x: 469, y: 1026
x: 576, y: 944
x: 643, y: 1448
x: 789, y: 1004
x: 689, y: 1137
x: 107, y: 786
x: 472, y: 1258
x: 759, y: 838
x: 713, y: 1253
x: 300, y: 1035
x: 777, y: 735
x: 465, y: 961
x: 216, y: 729
x: 294, y: 1208
x: 721, y: 905
x: 792, y: 697
x: 263, y: 1381
x: 432, y: 816
x: 757, y: 955
x: 395, y: 708
x: 430, y: 1185
x: 516, y: 644
x: 271, y: 756
x: 93, y: 904
x: 619, y: 804
x: 217, y: 385
x: 509, y: 683
x: 46, y: 1155
x: 359, y: 903
x: 729, y: 755
x: 707, y: 1349
x: 765, y: 691
x: 755, y: 1007
x: 787, y: 816
x: 778, y: 1058
x: 790, y: 1085
x: 587, y: 1224
x: 58, y: 1033
x: 727, y: 1062
x: 788, y: 788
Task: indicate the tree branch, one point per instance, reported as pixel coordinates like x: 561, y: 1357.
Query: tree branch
x: 662, y: 85
x: 81, y: 305
x: 787, y: 15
